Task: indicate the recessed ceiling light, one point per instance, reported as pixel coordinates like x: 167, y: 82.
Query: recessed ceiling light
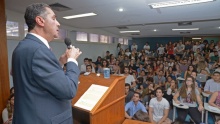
x: 185, y: 29
x: 129, y: 31
x: 155, y: 30
x: 120, y: 9
x: 219, y: 27
x: 80, y: 15
x: 176, y: 3
x: 196, y: 38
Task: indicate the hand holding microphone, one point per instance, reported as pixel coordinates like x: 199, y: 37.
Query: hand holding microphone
x: 71, y: 52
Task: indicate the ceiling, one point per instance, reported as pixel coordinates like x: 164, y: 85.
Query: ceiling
x: 137, y: 15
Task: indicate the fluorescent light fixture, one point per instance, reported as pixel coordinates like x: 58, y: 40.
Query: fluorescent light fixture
x: 196, y: 38
x: 176, y: 3
x: 130, y: 31
x: 185, y: 29
x: 120, y: 9
x: 80, y: 15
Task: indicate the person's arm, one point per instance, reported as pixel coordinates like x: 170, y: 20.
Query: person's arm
x: 185, y: 74
x: 175, y: 97
x: 206, y: 88
x: 49, y: 76
x: 151, y: 115
x: 126, y: 109
x: 166, y: 112
x: 199, y: 101
x: 127, y: 116
x: 212, y: 100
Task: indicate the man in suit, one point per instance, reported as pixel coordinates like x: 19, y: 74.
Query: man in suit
x: 43, y: 91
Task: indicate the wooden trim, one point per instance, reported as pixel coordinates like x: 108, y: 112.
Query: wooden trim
x: 104, y: 107
x: 4, y: 76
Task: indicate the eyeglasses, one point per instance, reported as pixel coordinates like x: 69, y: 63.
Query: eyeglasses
x: 189, y: 80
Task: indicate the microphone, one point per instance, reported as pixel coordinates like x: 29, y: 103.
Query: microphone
x: 68, y: 43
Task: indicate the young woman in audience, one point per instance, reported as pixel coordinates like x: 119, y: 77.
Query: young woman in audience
x: 169, y: 71
x: 116, y: 68
x: 188, y: 72
x: 7, y: 113
x: 190, y: 96
x: 103, y: 65
x: 215, y: 102
x: 202, y: 65
x: 132, y: 65
x: 177, y: 66
x: 171, y: 90
x: 127, y: 52
x: 146, y: 92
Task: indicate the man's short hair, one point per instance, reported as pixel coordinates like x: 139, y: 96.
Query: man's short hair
x: 107, y: 52
x: 216, y: 72
x: 138, y: 94
x: 127, y: 85
x: 89, y: 66
x: 86, y: 59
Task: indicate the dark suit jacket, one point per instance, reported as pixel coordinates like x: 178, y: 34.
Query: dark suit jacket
x: 43, y: 92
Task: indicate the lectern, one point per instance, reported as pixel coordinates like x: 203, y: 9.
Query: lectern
x: 109, y: 109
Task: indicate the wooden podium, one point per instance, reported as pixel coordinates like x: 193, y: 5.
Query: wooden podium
x: 109, y: 109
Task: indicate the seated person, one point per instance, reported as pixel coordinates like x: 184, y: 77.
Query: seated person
x: 215, y: 102
x: 190, y: 96
x: 89, y: 68
x: 102, y: 66
x: 159, y: 108
x: 7, y: 113
x: 128, y: 92
x: 172, y: 89
x: 133, y: 106
x: 146, y: 93
x: 213, y: 84
x: 217, y: 121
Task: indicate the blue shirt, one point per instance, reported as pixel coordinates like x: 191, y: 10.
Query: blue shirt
x: 131, y: 108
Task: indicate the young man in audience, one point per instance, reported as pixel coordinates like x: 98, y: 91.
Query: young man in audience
x: 213, y: 84
x: 183, y: 65
x: 128, y: 92
x: 129, y: 78
x: 89, y: 68
x: 180, y: 49
x: 83, y: 66
x: 159, y: 79
x: 159, y: 109
x: 133, y: 106
x: 107, y: 56
x: 147, y: 48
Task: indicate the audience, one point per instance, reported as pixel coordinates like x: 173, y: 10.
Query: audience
x: 148, y: 68
x: 7, y: 113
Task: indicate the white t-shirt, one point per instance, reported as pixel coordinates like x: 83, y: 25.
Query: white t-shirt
x: 158, y: 108
x: 134, y: 47
x: 161, y: 50
x: 147, y: 48
x: 129, y: 79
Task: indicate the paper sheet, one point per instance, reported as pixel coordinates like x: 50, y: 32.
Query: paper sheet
x: 90, y: 98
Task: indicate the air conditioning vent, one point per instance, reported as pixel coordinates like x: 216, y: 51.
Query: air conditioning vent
x: 135, y: 34
x: 122, y: 27
x: 184, y: 23
x: 184, y: 32
x: 59, y: 7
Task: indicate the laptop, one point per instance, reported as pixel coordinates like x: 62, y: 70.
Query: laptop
x: 201, y: 78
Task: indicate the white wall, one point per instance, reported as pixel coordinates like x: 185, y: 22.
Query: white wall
x: 89, y: 50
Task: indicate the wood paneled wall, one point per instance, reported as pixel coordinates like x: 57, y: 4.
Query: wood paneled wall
x: 4, y: 77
